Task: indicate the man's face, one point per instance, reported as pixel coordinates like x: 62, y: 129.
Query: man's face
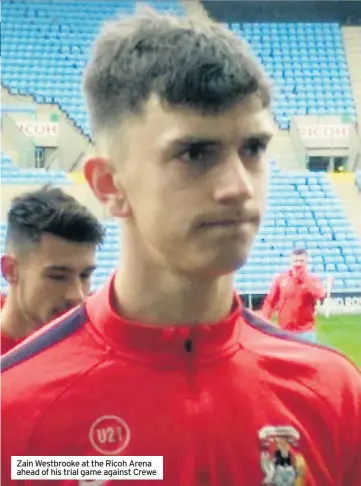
x: 299, y: 262
x: 54, y: 277
x: 195, y: 184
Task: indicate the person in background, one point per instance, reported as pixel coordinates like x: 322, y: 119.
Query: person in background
x: 49, y: 259
x: 294, y: 295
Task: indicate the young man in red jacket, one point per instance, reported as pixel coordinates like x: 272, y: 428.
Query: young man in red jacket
x: 164, y: 360
x: 49, y: 259
x: 294, y: 295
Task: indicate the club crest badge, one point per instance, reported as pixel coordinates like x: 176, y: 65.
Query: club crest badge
x: 281, y: 462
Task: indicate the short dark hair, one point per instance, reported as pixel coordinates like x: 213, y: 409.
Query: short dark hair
x: 186, y: 63
x: 51, y: 210
x: 299, y: 251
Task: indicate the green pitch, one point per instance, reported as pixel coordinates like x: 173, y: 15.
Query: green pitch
x: 343, y: 333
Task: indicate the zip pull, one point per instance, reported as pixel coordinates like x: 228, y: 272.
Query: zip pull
x: 188, y: 345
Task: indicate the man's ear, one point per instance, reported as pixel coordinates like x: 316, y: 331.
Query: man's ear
x: 9, y: 269
x: 101, y: 178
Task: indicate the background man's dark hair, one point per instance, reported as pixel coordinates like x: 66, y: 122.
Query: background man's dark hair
x: 50, y: 210
x: 199, y: 65
x: 299, y: 251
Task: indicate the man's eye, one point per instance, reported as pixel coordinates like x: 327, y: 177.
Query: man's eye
x: 57, y: 277
x: 194, y: 154
x: 254, y: 148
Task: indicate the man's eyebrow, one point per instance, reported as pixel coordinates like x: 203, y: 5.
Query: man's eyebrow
x: 64, y: 269
x: 58, y: 268
x: 191, y: 140
x: 264, y: 136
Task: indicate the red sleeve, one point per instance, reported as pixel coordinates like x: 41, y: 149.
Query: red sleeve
x: 7, y: 343
x: 351, y: 429
x: 315, y: 287
x: 14, y: 432
x: 271, y: 300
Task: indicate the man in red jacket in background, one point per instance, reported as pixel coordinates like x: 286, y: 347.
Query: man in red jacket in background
x: 48, y: 262
x: 294, y: 295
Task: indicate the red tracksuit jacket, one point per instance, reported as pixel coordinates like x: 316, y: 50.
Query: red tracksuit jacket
x: 295, y: 300
x: 6, y: 342
x: 213, y: 400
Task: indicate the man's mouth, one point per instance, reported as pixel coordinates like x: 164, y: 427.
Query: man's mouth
x: 227, y: 223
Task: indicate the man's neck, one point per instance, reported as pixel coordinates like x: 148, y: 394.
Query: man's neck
x: 160, y: 298
x: 13, y: 322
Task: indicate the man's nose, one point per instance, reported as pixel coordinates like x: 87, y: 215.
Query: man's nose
x: 75, y: 293
x: 234, y: 181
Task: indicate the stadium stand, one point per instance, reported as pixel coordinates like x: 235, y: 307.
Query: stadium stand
x: 303, y: 211
x: 11, y: 174
x: 44, y: 50
x: 45, y: 47
x: 308, y: 65
x: 306, y: 60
